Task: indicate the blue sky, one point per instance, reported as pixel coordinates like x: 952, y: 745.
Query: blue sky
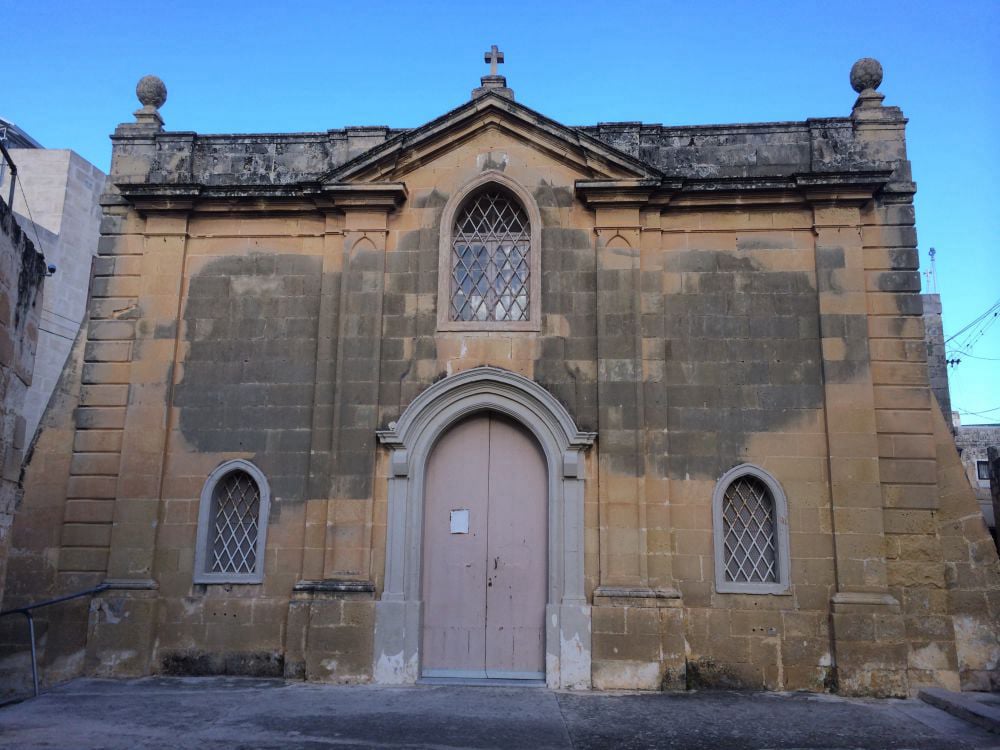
x: 70, y: 70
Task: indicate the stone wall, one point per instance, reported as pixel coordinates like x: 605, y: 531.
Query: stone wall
x: 973, y: 441
x: 709, y: 297
x: 937, y: 365
x: 970, y: 574
x: 22, y: 273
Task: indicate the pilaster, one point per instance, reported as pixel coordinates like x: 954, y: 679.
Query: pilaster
x: 638, y: 631
x: 366, y: 210
x: 324, y: 400
x: 621, y: 487
x: 867, y: 630
x: 155, y: 315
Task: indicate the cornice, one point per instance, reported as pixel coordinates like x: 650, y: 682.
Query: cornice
x: 376, y: 195
x: 148, y: 197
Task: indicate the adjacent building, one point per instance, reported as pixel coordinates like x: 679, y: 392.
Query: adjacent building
x: 973, y: 442
x: 22, y: 277
x: 57, y: 203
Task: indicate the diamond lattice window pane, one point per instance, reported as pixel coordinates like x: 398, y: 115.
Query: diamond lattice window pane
x: 235, y: 519
x: 748, y: 524
x: 491, y: 260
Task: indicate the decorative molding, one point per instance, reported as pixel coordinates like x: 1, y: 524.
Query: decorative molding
x: 847, y: 188
x: 446, y: 232
x: 636, y: 592
x: 373, y: 195
x: 130, y: 584
x: 782, y: 548
x: 303, y: 196
x: 412, y: 439
x: 621, y: 193
x: 592, y: 154
x: 335, y: 585
x: 201, y: 552
x: 476, y: 381
x: 864, y: 598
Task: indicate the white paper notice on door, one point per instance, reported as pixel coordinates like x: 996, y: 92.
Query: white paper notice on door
x: 460, y: 521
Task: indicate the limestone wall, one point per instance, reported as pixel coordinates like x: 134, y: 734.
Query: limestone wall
x: 973, y: 442
x: 22, y: 273
x: 759, y: 304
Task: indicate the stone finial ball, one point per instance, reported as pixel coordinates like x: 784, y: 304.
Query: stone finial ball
x: 866, y: 73
x: 151, y: 92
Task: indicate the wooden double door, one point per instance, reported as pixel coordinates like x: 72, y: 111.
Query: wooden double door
x: 485, y: 553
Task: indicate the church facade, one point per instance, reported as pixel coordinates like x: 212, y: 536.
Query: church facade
x: 621, y: 406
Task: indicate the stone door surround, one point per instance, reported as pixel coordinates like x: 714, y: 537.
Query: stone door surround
x: 398, y: 613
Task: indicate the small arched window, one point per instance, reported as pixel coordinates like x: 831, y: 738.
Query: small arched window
x: 750, y: 519
x: 232, y: 525
x: 491, y: 260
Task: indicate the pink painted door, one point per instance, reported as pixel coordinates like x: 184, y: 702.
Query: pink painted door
x: 516, y: 554
x: 485, y: 553
x: 454, y: 565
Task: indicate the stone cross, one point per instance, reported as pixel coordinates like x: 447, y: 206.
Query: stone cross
x: 494, y: 57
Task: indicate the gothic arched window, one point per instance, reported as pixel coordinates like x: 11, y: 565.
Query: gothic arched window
x: 232, y: 525
x: 750, y: 516
x: 491, y: 260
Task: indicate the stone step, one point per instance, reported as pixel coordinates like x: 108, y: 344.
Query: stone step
x: 979, y: 708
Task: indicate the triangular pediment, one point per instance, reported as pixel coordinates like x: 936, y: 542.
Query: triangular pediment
x: 392, y: 160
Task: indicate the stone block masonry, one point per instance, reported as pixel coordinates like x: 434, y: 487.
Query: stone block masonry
x: 711, y: 298
x: 22, y: 273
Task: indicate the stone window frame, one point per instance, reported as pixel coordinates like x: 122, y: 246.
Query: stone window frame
x: 454, y: 204
x: 982, y: 467
x: 783, y: 582
x: 201, y: 554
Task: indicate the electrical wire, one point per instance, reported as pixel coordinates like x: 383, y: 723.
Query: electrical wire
x: 985, y: 414
x: 974, y: 356
x: 67, y: 317
x: 993, y: 309
x: 62, y: 336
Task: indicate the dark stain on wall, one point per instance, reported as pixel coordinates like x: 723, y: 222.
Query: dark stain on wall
x: 198, y: 663
x: 248, y: 384
x: 743, y: 357
x: 553, y: 196
x: 433, y: 199
x: 569, y: 290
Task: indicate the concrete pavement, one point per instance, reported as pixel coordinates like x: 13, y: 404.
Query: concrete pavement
x: 220, y: 712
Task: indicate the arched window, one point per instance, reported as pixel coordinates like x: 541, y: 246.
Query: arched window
x: 232, y: 525
x: 491, y: 259
x: 750, y: 518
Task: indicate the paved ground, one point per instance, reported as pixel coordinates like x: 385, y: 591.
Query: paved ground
x: 246, y: 713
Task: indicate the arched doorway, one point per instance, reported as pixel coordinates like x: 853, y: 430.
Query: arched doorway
x: 485, y: 552
x: 400, y: 610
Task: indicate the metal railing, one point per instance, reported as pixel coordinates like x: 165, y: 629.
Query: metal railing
x: 26, y: 611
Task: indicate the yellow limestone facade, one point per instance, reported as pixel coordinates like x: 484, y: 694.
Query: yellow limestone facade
x: 709, y: 309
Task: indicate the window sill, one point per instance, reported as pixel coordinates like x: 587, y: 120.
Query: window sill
x: 251, y: 580
x: 759, y: 589
x: 471, y: 326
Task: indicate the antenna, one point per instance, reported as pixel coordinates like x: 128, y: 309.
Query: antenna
x: 932, y: 274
